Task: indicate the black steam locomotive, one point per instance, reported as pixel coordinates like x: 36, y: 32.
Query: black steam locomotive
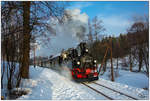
x: 84, y: 66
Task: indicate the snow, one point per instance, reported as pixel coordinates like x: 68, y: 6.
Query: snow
x: 134, y: 79
x: 47, y: 84
x: 138, y: 80
x: 129, y: 90
x: 111, y: 93
x: 5, y: 79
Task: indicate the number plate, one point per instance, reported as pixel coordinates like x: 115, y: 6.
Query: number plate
x: 88, y: 61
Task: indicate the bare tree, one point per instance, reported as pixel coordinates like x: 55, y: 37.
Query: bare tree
x: 11, y: 28
x: 97, y: 27
x: 90, y: 36
x: 20, y: 22
x: 139, y: 31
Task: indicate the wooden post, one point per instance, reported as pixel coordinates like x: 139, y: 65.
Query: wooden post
x: 34, y: 56
x: 117, y: 63
x: 103, y: 59
x: 112, y: 71
x: 130, y: 59
x: 118, y: 51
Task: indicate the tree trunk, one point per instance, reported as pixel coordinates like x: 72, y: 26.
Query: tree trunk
x: 34, y: 56
x: 117, y: 62
x: 26, y: 40
x: 145, y: 59
x: 3, y: 59
x: 105, y: 65
x: 130, y: 60
x: 112, y: 70
x: 140, y: 60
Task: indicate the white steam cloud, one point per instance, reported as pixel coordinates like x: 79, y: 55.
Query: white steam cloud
x: 71, y: 32
x: 68, y: 34
x: 74, y: 24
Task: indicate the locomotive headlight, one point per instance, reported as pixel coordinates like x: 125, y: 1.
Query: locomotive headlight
x: 65, y: 55
x: 86, y: 50
x: 78, y: 63
x: 95, y: 61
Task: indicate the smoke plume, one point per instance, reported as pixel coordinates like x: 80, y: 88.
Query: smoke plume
x: 70, y: 32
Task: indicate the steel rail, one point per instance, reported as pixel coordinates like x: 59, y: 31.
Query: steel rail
x: 116, y: 91
x: 98, y: 91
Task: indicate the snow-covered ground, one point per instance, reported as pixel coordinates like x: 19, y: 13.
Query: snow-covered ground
x: 47, y: 84
x: 134, y: 79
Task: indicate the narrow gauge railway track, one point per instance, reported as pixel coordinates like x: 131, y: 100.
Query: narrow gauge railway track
x: 116, y: 91
x: 110, y: 98
x: 98, y: 91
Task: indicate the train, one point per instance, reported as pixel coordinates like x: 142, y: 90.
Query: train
x: 83, y: 67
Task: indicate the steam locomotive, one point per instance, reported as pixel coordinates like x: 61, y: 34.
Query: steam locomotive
x: 82, y: 65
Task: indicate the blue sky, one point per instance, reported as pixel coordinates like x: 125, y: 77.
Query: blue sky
x: 117, y: 16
